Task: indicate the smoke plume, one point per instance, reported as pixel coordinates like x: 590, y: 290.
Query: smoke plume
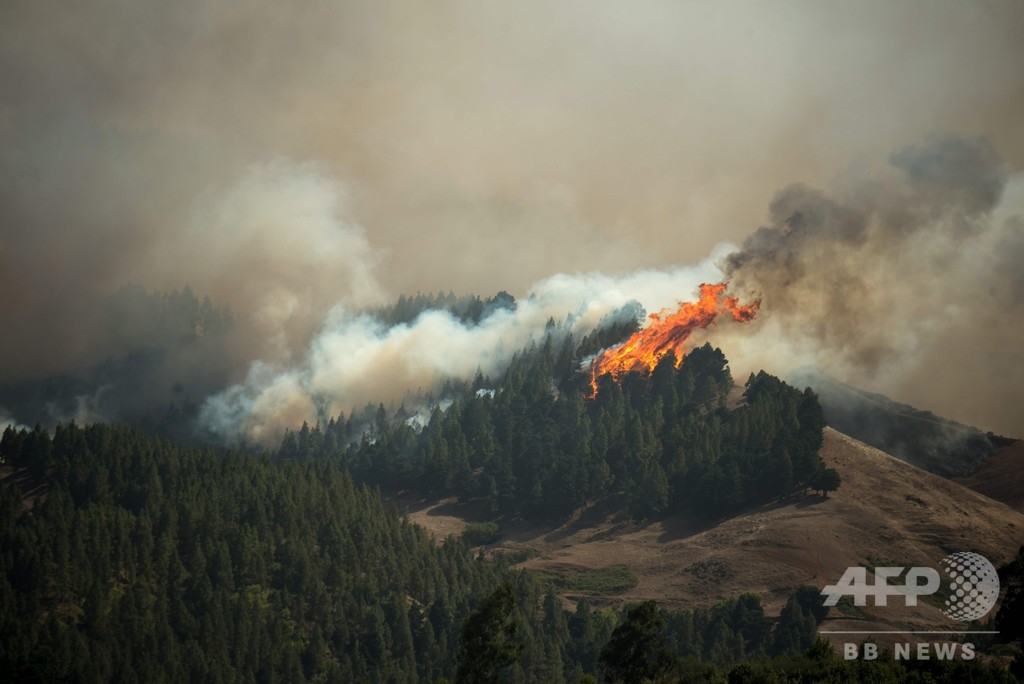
x: 237, y: 148
x: 357, y: 359
x: 906, y: 280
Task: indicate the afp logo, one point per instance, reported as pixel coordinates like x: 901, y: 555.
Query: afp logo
x: 973, y: 586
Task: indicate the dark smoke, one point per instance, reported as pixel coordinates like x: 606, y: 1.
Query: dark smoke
x: 237, y: 148
x: 901, y: 275
x: 963, y: 178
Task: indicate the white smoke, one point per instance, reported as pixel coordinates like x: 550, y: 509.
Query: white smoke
x: 278, y: 244
x: 421, y: 417
x: 355, y: 358
x: 870, y: 280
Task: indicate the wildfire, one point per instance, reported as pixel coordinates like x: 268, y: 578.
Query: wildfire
x: 667, y: 332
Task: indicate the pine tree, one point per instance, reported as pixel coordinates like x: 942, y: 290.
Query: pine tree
x: 637, y: 650
x: 489, y: 641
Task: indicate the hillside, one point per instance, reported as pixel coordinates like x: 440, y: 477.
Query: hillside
x: 937, y: 444
x: 1001, y: 477
x: 886, y: 511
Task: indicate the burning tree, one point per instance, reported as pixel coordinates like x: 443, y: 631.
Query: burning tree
x: 668, y: 333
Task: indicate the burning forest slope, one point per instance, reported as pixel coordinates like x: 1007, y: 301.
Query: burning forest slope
x: 885, y: 512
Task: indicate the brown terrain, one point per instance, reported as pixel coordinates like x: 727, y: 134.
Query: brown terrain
x: 1001, y: 477
x: 438, y: 517
x: 886, y: 512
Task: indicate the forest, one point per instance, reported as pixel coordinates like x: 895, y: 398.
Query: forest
x: 125, y: 558
x: 535, y: 446
x: 134, y: 554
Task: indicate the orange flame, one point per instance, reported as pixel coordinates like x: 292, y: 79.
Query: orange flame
x: 668, y: 332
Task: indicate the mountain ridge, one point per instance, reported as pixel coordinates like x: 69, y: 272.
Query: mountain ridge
x: 919, y: 437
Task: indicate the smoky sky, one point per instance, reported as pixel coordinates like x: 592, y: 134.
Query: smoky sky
x: 905, y: 279
x: 287, y: 158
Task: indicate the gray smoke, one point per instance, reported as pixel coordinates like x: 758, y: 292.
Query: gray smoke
x: 238, y: 148
x: 905, y: 280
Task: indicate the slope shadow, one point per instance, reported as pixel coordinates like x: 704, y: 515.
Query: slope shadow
x: 682, y: 525
x: 609, y: 511
x: 811, y: 500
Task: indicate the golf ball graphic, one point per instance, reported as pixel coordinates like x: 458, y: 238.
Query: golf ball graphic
x: 973, y: 587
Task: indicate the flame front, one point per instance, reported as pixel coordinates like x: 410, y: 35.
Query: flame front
x: 668, y: 332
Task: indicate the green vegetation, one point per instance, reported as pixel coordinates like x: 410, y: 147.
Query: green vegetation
x: 537, y: 450
x: 490, y: 641
x: 141, y: 561
x: 137, y: 560
x: 478, y: 534
x: 610, y: 580
x: 1010, y: 618
x: 827, y: 480
x: 818, y: 664
x: 515, y: 556
x: 144, y: 560
x: 637, y: 650
x: 163, y: 352
x: 467, y: 308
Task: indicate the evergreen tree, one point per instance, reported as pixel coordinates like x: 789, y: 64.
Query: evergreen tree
x: 637, y: 650
x: 827, y: 480
x: 490, y: 640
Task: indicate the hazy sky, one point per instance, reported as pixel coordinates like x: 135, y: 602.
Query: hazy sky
x: 283, y: 157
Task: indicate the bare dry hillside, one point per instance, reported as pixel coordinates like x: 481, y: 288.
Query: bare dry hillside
x: 885, y: 513
x: 1002, y: 476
